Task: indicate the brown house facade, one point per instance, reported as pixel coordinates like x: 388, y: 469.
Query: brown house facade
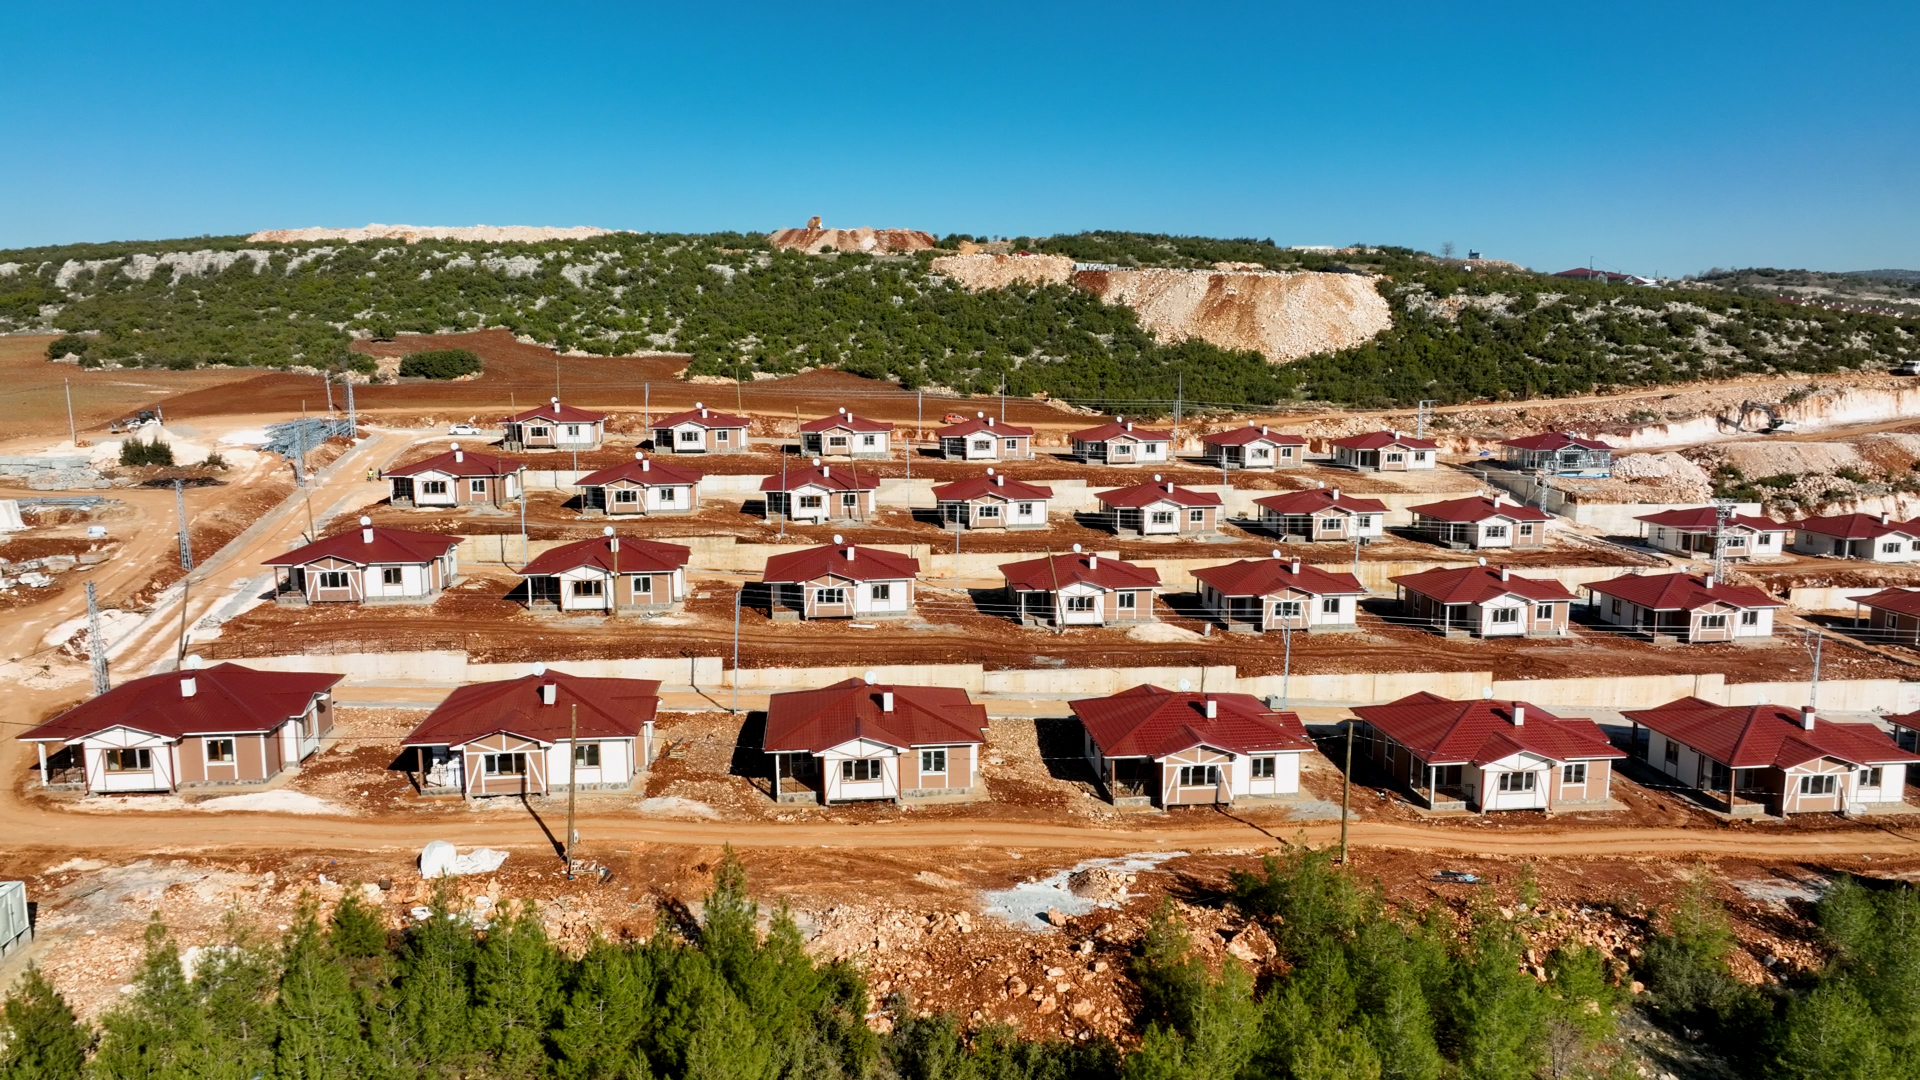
x: 535, y: 735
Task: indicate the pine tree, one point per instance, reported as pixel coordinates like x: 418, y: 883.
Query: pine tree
x: 1831, y: 1034
x: 434, y: 1028
x: 40, y: 1037
x: 235, y: 982
x: 516, y: 981
x: 1497, y: 1012
x: 605, y: 1017
x: 160, y: 1031
x: 320, y: 1029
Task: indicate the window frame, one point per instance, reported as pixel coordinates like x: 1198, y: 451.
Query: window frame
x: 1574, y: 772
x: 113, y: 759
x: 392, y: 575
x: 837, y: 593
x: 854, y: 770
x: 223, y: 750
x: 1198, y: 776
x: 1501, y: 616
x: 929, y: 757
x: 1263, y: 767
x: 586, y: 755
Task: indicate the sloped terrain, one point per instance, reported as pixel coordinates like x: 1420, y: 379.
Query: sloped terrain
x: 1282, y: 316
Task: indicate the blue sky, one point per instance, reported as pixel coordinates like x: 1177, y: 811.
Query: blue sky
x: 1649, y: 138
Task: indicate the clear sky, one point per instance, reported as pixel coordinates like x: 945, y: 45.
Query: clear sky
x: 1665, y: 137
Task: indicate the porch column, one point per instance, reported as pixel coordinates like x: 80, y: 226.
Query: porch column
x: 1428, y: 768
x: 420, y: 766
x: 776, y: 776
x: 42, y: 747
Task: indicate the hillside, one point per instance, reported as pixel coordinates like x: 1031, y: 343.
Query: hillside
x: 1895, y: 292
x: 740, y: 306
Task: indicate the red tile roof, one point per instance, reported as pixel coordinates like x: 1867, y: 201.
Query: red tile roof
x: 702, y: 417
x: 387, y: 547
x: 1441, y: 731
x: 1904, y: 601
x: 643, y: 471
x: 229, y: 699
x: 632, y: 556
x: 1681, y: 592
x: 1106, y: 432
x: 1703, y: 518
x: 979, y: 424
x: 1755, y: 736
x: 1240, y: 436
x: 1379, y: 440
x: 864, y: 564
x: 1855, y: 526
x: 1316, y: 500
x: 975, y: 487
x: 1148, y: 721
x: 609, y: 709
x: 557, y: 413
x: 846, y: 420
x: 1477, y: 508
x: 1554, y: 440
x: 1038, y: 575
x: 460, y: 463
x: 1260, y: 577
x: 816, y: 720
x: 1155, y: 492
x: 822, y: 476
x: 1479, y: 584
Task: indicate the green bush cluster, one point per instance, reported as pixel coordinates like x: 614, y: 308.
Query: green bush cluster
x: 439, y: 364
x: 155, y: 451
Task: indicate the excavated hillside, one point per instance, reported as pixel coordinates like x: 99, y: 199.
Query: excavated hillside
x: 413, y: 234
x: 1282, y: 316
x: 872, y: 241
x: 984, y: 271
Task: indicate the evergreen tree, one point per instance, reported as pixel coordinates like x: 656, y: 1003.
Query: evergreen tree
x: 1497, y: 1012
x: 40, y: 1037
x: 606, y: 1014
x: 434, y: 1030
x: 1831, y: 1034
x: 320, y: 1034
x: 160, y: 1031
x: 516, y: 982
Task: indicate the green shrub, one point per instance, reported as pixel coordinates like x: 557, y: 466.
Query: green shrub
x: 215, y: 460
x: 439, y: 364
x: 68, y: 343
x: 153, y: 452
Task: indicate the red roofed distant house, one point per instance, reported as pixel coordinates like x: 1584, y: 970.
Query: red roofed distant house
x: 822, y: 493
x: 859, y: 741
x: 1178, y: 748
x: 1257, y: 595
x: 194, y: 727
x: 1080, y: 590
x: 992, y: 502
x: 640, y: 488
x: 1120, y: 443
x: 1560, y: 454
x: 1385, y: 451
x: 700, y: 430
x: 1858, y: 536
x: 1252, y: 447
x: 367, y: 565
x: 1906, y: 730
x: 1894, y: 615
x: 1486, y: 602
x: 1685, y: 607
x: 1322, y: 514
x: 517, y: 736
x: 607, y: 573
x: 1488, y: 754
x: 455, y: 478
x: 1587, y: 273
x: 841, y: 581
x: 1481, y: 522
x: 1160, y: 509
x: 1775, y: 759
x: 554, y: 426
x: 980, y: 439
x: 1691, y: 531
x: 845, y: 435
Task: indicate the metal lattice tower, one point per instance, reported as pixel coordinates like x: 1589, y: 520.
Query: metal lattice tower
x: 96, y: 644
x: 186, y: 540
x: 1422, y: 413
x: 353, y: 426
x: 1722, y: 513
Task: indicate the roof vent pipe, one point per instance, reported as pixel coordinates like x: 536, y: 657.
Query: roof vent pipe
x: 999, y: 481
x: 1296, y: 565
x: 1129, y: 425
x: 613, y: 542
x: 1336, y: 494
x: 459, y: 454
x: 1213, y: 709
x: 366, y: 530
x: 1885, y: 518
x: 190, y: 684
x: 645, y: 465
x: 549, y: 693
x: 1708, y: 579
x: 886, y: 701
x: 850, y: 550
x: 989, y: 421
x: 1093, y: 561
x: 1263, y: 429
x: 1519, y: 715
x: 554, y: 400
x: 1503, y: 573
x: 1806, y: 718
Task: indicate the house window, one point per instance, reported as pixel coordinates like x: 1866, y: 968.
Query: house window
x: 586, y: 755
x: 811, y: 502
x: 1573, y: 773
x: 1517, y: 781
x: 588, y: 588
x: 833, y: 597
x: 724, y: 435
x: 643, y: 583
x: 1263, y: 768
x: 986, y: 510
x: 433, y: 487
x: 1196, y: 517
x: 1502, y: 615
x: 333, y: 579
x: 1163, y: 517
x: 219, y: 751
x: 1672, y: 754
x: 1125, y: 601
x: 836, y: 442
x: 1891, y: 547
x: 1329, y: 524
x: 627, y: 495
x: 537, y: 431
x: 933, y: 761
x: 1023, y: 509
x: 1543, y: 612
x: 1496, y: 532
x: 1199, y: 776
x: 1330, y: 605
x: 128, y: 760
x: 1289, y: 609
x: 1013, y: 444
x: 868, y: 441
x: 850, y: 500
x: 1749, y: 618
x: 861, y: 771
x: 882, y: 591
x: 477, y: 487
x: 1526, y: 528
x: 669, y: 495
x: 985, y: 446
x: 1395, y: 459
x: 1713, y: 622
x: 1616, y: 605
x: 390, y: 575
x: 1363, y: 521
x: 504, y: 764
x: 573, y: 431
x: 1870, y: 778
x: 1819, y: 785
x: 1080, y: 603
x: 689, y: 435
x: 1420, y: 455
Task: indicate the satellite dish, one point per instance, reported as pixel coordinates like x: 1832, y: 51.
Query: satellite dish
x: 364, y: 520
x: 816, y: 463
x: 872, y: 677
x: 1076, y: 549
x: 1487, y: 693
x: 1185, y: 685
x: 1276, y: 553
x: 836, y: 538
x: 989, y: 470
x: 1156, y: 478
x: 539, y: 669
x: 608, y: 531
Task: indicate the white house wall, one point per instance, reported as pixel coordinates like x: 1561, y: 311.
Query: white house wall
x: 413, y: 581
x: 1489, y: 782
x: 616, y: 763
x: 161, y: 777
x: 837, y: 790
x: 1517, y: 628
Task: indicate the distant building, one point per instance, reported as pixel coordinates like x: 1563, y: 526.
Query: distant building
x: 1858, y: 536
x: 1560, y: 454
x: 1279, y: 594
x: 455, y: 478
x: 1322, y: 514
x: 1686, y: 607
x: 367, y: 565
x: 844, y: 435
x: 1586, y: 273
x: 841, y: 581
x: 1161, y: 509
x: 1120, y: 443
x: 819, y: 494
x: 858, y: 741
x: 1168, y: 748
x: 1253, y: 447
x: 640, y: 487
x: 1489, y: 755
x: 1486, y: 602
x: 535, y: 735
x: 980, y: 439
x: 1080, y: 590
x: 700, y: 430
x: 554, y: 426
x: 1692, y: 531
x: 1386, y: 451
x: 607, y: 573
x: 1481, y: 522
x: 992, y: 502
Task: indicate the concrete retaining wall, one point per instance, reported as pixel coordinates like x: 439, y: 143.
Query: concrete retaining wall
x: 1822, y: 598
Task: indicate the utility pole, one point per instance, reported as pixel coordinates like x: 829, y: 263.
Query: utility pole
x: 1179, y: 395
x: 353, y: 421
x: 73, y: 433
x: 1722, y: 513
x: 1286, y: 665
x: 186, y: 540
x: 523, y: 527
x: 1422, y: 412
x: 646, y: 406
x: 326, y: 380
x: 96, y: 644
x: 738, y: 595
x: 573, y: 789
x: 1346, y: 794
x: 1813, y: 691
x: 1003, y: 398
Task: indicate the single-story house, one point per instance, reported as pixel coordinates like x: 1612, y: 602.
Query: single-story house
x: 455, y: 478
x: 189, y: 728
x: 1258, y: 595
x: 1772, y: 758
x: 1691, y: 531
x: 1322, y: 514
x: 1489, y: 755
x: 992, y: 502
x: 1252, y: 447
x: 1385, y: 451
x: 858, y: 740
x: 1179, y: 748
x: 370, y: 564
x: 1119, y: 443
x: 640, y: 487
x: 1481, y: 522
x: 980, y: 439
x: 1486, y: 602
x: 1686, y: 607
x: 818, y: 494
x: 1906, y: 730
x: 554, y: 426
x: 536, y: 735
x: 1858, y: 536
x: 846, y: 435
x: 608, y: 574
x: 1080, y: 590
x: 1161, y: 509
x: 1560, y: 454
x: 700, y: 430
x: 841, y: 581
x: 1893, y: 614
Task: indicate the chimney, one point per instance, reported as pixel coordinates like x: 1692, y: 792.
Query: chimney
x: 826, y: 470
x: 886, y: 701
x: 989, y: 421
x: 1503, y: 572
x: 703, y: 414
x: 1129, y: 425
x: 850, y: 550
x: 1169, y: 487
x: 1263, y: 429
x: 1093, y: 561
x: 549, y: 692
x: 554, y: 401
x: 1336, y: 494
x: 645, y: 465
x: 1885, y: 518
x: 366, y: 530
x: 459, y: 454
x: 999, y: 481
x: 190, y: 682
x: 1519, y: 715
x: 1708, y: 579
x: 1296, y: 565
x: 1213, y: 709
x: 1806, y: 718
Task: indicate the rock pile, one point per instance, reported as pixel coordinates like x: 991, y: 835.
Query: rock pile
x: 872, y: 241
x: 1282, y: 316
x: 977, y: 272
x: 54, y: 473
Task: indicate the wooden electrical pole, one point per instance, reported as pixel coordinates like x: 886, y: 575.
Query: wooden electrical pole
x: 1346, y: 794
x: 573, y: 757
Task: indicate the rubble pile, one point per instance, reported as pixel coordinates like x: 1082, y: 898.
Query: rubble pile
x: 1282, y: 316
x: 984, y: 271
x: 871, y: 241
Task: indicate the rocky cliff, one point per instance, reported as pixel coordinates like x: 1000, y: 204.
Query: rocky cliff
x: 872, y: 241
x: 976, y: 272
x: 1283, y: 316
x: 511, y: 234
